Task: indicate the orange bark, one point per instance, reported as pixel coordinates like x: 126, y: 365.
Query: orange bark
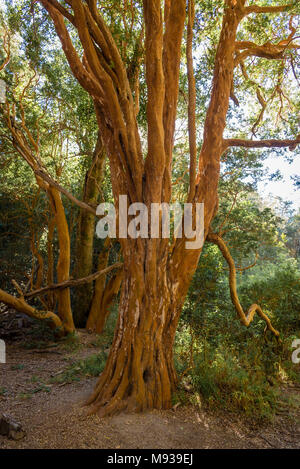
x: 99, y: 288
x: 19, y: 304
x: 63, y: 264
x: 140, y: 373
x: 110, y: 293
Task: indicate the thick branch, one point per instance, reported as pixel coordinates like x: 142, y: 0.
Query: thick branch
x: 174, y: 25
x: 114, y: 106
x: 246, y: 319
x: 85, y: 78
x: 267, y: 9
x: 265, y: 51
x: 272, y: 143
x: 156, y: 158
x: 192, y: 99
x: 73, y: 283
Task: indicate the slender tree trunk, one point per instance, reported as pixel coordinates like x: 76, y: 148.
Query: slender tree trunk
x: 109, y: 295
x: 86, y: 234
x: 50, y: 268
x: 63, y: 264
x: 99, y: 287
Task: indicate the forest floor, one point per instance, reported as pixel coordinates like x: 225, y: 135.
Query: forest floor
x: 52, y: 414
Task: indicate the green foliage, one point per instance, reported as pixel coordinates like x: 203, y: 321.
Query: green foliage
x: 230, y: 366
x: 241, y: 376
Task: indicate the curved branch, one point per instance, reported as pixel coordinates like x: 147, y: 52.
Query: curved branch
x: 20, y: 305
x: 265, y: 51
x: 243, y: 269
x: 246, y: 319
x: 51, y: 182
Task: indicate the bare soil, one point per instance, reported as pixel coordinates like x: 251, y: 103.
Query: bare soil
x: 53, y: 415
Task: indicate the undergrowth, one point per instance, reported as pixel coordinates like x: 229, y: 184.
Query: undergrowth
x: 88, y: 367
x: 242, y: 378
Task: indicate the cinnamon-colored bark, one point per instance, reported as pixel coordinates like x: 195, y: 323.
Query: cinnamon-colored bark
x: 140, y: 373
x: 64, y: 259
x: 19, y: 304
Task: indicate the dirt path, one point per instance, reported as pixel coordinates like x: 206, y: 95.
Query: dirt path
x: 53, y: 417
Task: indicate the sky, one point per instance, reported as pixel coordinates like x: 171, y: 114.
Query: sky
x: 284, y: 188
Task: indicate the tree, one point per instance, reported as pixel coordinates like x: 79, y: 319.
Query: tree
x: 140, y: 373
x: 39, y: 124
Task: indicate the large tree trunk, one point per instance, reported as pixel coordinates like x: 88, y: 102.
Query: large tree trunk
x: 139, y: 372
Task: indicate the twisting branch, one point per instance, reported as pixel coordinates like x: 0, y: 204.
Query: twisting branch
x: 108, y: 86
x: 243, y: 269
x: 246, y: 319
x: 20, y: 305
x: 268, y: 9
x: 51, y: 182
x: 272, y: 143
x: 263, y: 104
x: 265, y: 51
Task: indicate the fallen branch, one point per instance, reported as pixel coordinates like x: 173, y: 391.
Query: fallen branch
x: 73, y: 283
x: 245, y: 318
